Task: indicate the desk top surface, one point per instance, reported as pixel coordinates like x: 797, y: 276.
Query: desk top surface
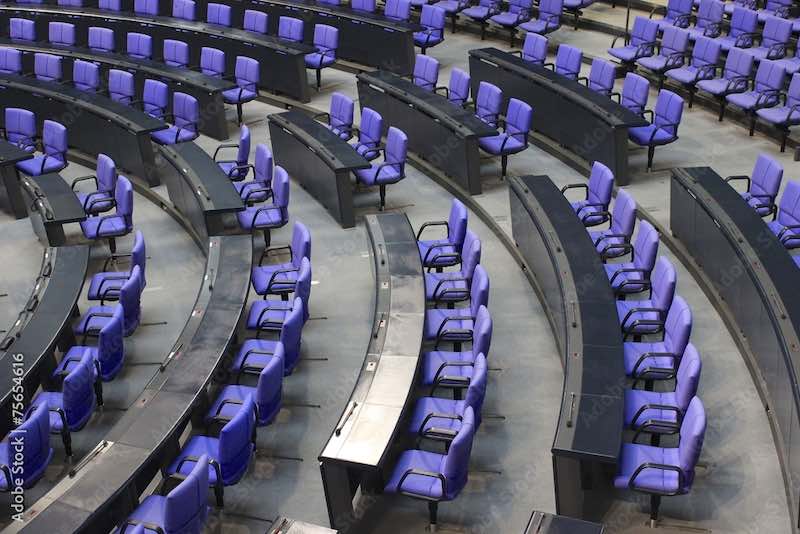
x: 11, y: 153
x: 61, y: 202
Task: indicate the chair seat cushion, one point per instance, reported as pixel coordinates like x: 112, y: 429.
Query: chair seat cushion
x: 687, y: 75
x: 759, y: 204
x: 604, y: 246
x: 779, y: 115
x: 255, y: 359
x: 449, y: 6
x: 654, y: 63
x: 745, y: 100
x: 91, y: 321
x: 695, y: 33
x: 584, y: 213
x: 436, y: 316
x: 624, y: 53
x: 634, y: 455
x: 282, y: 282
x: 426, y: 39
x: 758, y: 53
x: 230, y: 392
x: 54, y: 400
x: 717, y: 86
x: 231, y: 171
x: 107, y: 285
x: 427, y: 405
x: 268, y: 314
x: 450, y: 287
x: 790, y: 238
x: 386, y: 175
x: 107, y: 226
x: 198, y: 446
x: 622, y: 278
x: 624, y: 306
x: 33, y: 166
x: 238, y: 95
x: 316, y: 60
x: 644, y: 136
x: 637, y: 398
x: 633, y: 351
x: 538, y: 26
x: 260, y: 217
x: 494, y: 144
x: 432, y: 361
x: 95, y: 202
x: 430, y: 249
x: 477, y: 12
x: 168, y: 136
x: 426, y: 486
x: 368, y: 152
x: 250, y: 191
x: 505, y: 19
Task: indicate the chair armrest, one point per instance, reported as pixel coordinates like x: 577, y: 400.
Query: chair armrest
x: 266, y: 252
x: 431, y: 224
x: 662, y: 467
x: 83, y: 179
x: 222, y: 147
x: 420, y: 472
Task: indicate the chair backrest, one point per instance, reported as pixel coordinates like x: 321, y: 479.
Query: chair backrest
x: 397, y: 9
x: 770, y: 76
x: 705, y: 52
x: 20, y: 127
x: 678, y: 324
x: 255, y: 21
x: 766, y: 177
x: 644, y: 31
x: 793, y: 93
x: 106, y: 174
x: 568, y: 61
x: 270, y: 381
x: 601, y: 183
x: 110, y: 5
x: 601, y: 76
x: 674, y: 41
x: 624, y: 214
x: 139, y: 45
x: 789, y: 209
x: 246, y: 73
x: 519, y: 6
x: 457, y: 224
x: 487, y: 101
x: 123, y: 197
x: 371, y: 127
x: 635, y: 92
x: 85, y: 75
x: 61, y: 33
x: 235, y: 439
x: 743, y: 21
x: 186, y: 111
x: 185, y: 508
x: 130, y: 296
x: 476, y: 391
x: 101, y: 39
x: 47, y: 67
x: 280, y: 190
x: 534, y: 49
x: 342, y: 110
x: 470, y: 255
x: 678, y: 8
x: 692, y: 434
x: 479, y: 290
x: 110, y: 349
x: 458, y: 88
x: 363, y: 5
x: 301, y: 243
x: 243, y: 152
x: 218, y: 14
x: 709, y: 12
x: 139, y: 256
x: 482, y: 332
x: 645, y: 247
x: 550, y: 11
x: 291, y: 332
x: 34, y: 433
x: 668, y: 112
x: 433, y: 18
x: 212, y: 62
x: 738, y: 63
x: 688, y: 377
x: 776, y: 31
x: 22, y: 29
x: 10, y: 60
x: 518, y: 119
x: 326, y: 38
x: 155, y: 97
x: 262, y: 167
x: 773, y: 5
x: 120, y: 86
x: 78, y: 390
x: 145, y: 7
x: 303, y: 285
x: 176, y: 53
x: 183, y: 9
x: 290, y: 28
x: 426, y: 72
x: 456, y: 463
x: 663, y: 283
x: 396, y: 147
x: 54, y: 140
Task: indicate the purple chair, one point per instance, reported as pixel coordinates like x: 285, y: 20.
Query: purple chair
x: 86, y: 75
x: 457, y: 90
x: 236, y: 169
x: 548, y: 20
x: 767, y: 85
x: 129, y: 296
x: 54, y: 151
x: 183, y: 9
x: 143, y: 7
x: 260, y: 188
x: 514, y: 138
x: 449, y: 287
x: 155, y: 98
x: 21, y: 29
x: 774, y: 39
x: 576, y: 7
x: 326, y: 41
x: 635, y: 92
x: 614, y: 241
x: 568, y: 61
x: 110, y: 5
x: 671, y: 53
x: 735, y: 78
x: 290, y: 29
x: 750, y: 5
x: 176, y: 53
x: 255, y: 21
x: 121, y: 86
x: 519, y: 11
x: 647, y: 317
x: 270, y: 314
x: 741, y: 31
x: 659, y: 471
x: 663, y: 128
x: 487, y: 103
x: 392, y: 169
x: 219, y: 14
x: 452, y: 8
x: 642, y: 42
x: 593, y: 209
x: 534, y: 49
x: 367, y: 6
x: 601, y: 77
x: 434, y: 477
x: 457, y: 325
x: 20, y: 128
x: 107, y: 357
x: 267, y: 217
x: 426, y: 72
x: 787, y: 224
x: 255, y: 354
x: 774, y: 8
x: 107, y: 285
x: 70, y: 3
x: 708, y: 21
x: 432, y: 19
x: 482, y: 12
x: 47, y: 67
x: 139, y: 45
x: 10, y: 60
x: 34, y: 436
x: 445, y: 252
x: 702, y: 66
x: 61, y: 33
x: 212, y: 62
x: 631, y: 277
x: 340, y: 119
x: 397, y: 10
x: 678, y: 14
x: 116, y: 225
x: 281, y: 278
x: 247, y: 76
x: 184, y: 117
x: 101, y: 39
x: 369, y: 134
x: 787, y: 115
x: 791, y: 64
x: 762, y: 185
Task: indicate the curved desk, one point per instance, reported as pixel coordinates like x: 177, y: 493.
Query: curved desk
x: 282, y: 63
x: 9, y: 156
x: 94, y: 122
x: 104, y: 487
x: 51, y: 204
x: 206, y: 89
x: 756, y: 277
x: 444, y: 134
x: 360, y: 450
x: 581, y: 307
x: 27, y: 352
x: 588, y: 123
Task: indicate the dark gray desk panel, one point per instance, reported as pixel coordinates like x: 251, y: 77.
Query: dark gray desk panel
x: 9, y: 156
x: 51, y: 204
x: 543, y: 523
x: 283, y: 525
x: 589, y: 124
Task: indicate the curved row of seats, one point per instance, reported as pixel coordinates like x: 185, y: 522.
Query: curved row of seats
x: 659, y: 358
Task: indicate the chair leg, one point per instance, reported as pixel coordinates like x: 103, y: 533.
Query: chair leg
x: 691, y: 96
x: 433, y: 513
x: 503, y: 165
x: 319, y: 77
x: 267, y: 237
x: 660, y: 81
x: 66, y: 438
x: 511, y: 37
x: 655, y: 504
x: 721, y: 109
x: 98, y: 391
x: 577, y: 14
x: 651, y: 150
x: 453, y: 18
x: 382, y: 190
x: 752, y: 123
x: 219, y: 494
x: 112, y: 245
x: 784, y: 135
x: 239, y: 113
